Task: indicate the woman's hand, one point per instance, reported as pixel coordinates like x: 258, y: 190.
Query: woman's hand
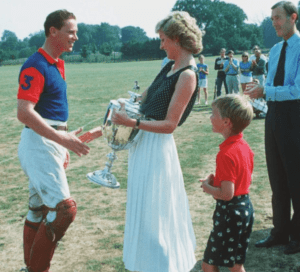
x: 120, y: 117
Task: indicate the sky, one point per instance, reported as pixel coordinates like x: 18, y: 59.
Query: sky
x: 24, y: 17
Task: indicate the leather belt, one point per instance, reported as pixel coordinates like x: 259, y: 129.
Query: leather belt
x: 64, y: 128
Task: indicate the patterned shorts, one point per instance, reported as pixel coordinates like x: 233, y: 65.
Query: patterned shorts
x: 228, y: 241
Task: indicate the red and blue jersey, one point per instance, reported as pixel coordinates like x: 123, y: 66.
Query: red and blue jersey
x: 42, y: 81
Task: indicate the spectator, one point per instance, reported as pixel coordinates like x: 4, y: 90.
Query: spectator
x: 245, y: 68
x: 202, y: 80
x: 253, y: 57
x: 221, y: 76
x: 258, y: 68
x: 231, y: 69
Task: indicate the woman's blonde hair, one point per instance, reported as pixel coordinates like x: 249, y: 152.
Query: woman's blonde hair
x: 179, y: 24
x: 237, y: 108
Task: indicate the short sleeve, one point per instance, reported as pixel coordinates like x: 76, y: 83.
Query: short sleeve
x: 226, y: 170
x: 31, y: 84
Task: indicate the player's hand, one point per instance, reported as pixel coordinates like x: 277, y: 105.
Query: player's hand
x: 67, y: 160
x: 71, y: 142
x: 91, y: 135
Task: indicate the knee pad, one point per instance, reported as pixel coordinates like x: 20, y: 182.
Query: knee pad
x: 65, y: 214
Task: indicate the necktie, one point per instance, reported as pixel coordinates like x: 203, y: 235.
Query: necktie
x: 279, y: 77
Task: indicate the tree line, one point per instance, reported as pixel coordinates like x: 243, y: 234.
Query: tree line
x: 224, y: 24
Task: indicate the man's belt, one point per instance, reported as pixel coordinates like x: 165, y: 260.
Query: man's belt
x: 64, y: 128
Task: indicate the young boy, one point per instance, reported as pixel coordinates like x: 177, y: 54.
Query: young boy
x: 233, y: 216
x: 202, y: 82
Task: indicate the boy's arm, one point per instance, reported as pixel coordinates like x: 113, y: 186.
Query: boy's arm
x: 225, y: 192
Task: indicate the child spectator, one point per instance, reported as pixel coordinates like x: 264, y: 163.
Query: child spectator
x: 202, y: 81
x: 233, y: 216
x: 260, y: 107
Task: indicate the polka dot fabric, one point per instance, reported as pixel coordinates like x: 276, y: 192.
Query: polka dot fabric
x: 160, y: 94
x: 228, y: 241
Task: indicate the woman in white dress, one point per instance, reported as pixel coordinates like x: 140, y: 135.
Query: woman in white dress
x: 159, y: 235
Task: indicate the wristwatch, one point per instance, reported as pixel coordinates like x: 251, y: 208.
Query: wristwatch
x: 137, y: 124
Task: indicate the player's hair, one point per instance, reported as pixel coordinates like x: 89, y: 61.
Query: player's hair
x: 230, y: 52
x: 57, y: 20
x: 223, y: 49
x: 237, y: 108
x: 289, y: 8
x: 201, y: 56
x: 179, y: 24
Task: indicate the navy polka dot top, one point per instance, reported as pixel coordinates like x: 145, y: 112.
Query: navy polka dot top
x: 160, y: 93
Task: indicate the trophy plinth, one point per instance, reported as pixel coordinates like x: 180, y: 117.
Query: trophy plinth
x: 105, y: 177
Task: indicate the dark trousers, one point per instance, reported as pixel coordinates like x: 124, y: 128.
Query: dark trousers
x: 221, y: 80
x: 282, y: 143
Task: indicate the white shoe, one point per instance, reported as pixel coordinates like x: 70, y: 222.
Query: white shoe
x: 206, y: 103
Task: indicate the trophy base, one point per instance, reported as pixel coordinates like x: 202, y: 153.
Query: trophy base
x: 101, y: 177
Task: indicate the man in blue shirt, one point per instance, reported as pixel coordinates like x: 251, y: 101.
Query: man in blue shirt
x: 282, y: 129
x: 231, y: 69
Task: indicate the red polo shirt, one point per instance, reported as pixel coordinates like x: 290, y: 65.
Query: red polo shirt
x: 234, y: 163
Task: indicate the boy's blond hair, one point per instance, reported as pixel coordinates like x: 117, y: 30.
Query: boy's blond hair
x: 237, y: 108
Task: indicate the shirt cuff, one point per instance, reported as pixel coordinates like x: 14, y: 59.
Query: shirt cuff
x: 270, y: 93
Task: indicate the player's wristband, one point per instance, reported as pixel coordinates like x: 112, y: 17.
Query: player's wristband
x: 137, y: 124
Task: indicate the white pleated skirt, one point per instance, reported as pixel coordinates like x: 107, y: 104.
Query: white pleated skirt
x: 159, y: 235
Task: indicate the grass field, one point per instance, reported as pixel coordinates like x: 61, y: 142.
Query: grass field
x: 94, y: 241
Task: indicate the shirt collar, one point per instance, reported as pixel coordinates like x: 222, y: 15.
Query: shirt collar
x: 48, y: 57
x: 292, y: 40
x: 231, y: 140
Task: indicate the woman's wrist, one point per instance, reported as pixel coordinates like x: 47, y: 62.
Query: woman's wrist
x: 137, y: 123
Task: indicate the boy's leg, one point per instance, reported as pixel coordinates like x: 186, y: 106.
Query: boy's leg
x: 209, y: 268
x: 237, y: 268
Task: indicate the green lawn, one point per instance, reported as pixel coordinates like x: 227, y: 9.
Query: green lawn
x: 94, y: 241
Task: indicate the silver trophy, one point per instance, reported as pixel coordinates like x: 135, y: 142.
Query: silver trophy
x: 118, y: 138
